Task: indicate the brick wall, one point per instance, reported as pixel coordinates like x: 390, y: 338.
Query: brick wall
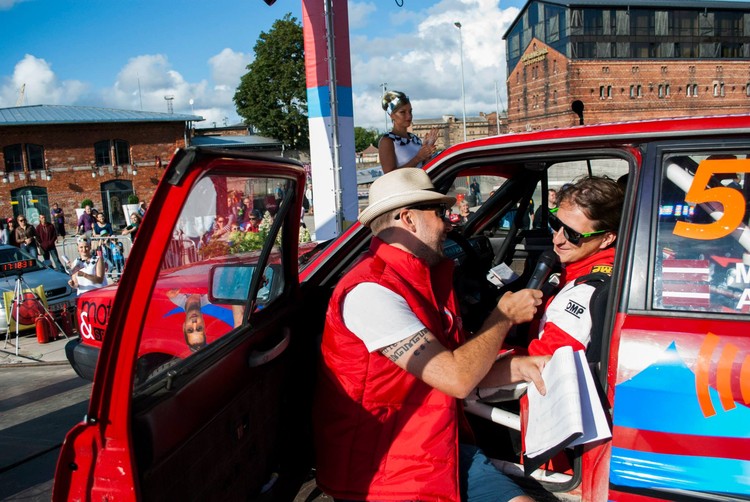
x: 542, y: 88
x: 69, y: 154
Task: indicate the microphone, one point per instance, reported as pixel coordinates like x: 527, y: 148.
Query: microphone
x: 544, y: 267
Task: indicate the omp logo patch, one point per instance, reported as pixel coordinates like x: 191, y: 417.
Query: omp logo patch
x: 604, y: 269
x: 575, y: 309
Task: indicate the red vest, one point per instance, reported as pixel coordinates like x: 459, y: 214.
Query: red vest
x: 381, y: 433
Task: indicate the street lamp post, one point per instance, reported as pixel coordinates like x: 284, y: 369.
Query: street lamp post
x: 463, y: 92
x: 385, y: 88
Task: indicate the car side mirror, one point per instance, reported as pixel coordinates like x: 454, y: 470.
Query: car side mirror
x: 230, y: 284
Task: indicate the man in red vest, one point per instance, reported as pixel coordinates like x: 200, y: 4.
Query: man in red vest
x: 396, y: 363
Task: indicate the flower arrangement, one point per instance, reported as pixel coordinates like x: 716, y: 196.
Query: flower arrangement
x: 242, y: 242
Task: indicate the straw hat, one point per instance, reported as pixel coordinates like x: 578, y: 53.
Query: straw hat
x: 399, y: 188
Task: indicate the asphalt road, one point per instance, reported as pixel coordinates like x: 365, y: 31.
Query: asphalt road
x: 38, y: 405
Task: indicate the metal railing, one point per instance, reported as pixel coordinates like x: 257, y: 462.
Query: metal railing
x: 114, y: 249
x: 181, y: 251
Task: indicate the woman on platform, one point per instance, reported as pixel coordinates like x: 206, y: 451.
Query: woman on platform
x: 87, y: 271
x: 400, y: 148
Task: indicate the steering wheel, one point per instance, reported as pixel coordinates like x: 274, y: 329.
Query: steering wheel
x: 476, y: 295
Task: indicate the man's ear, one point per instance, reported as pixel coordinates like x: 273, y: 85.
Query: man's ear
x: 609, y: 239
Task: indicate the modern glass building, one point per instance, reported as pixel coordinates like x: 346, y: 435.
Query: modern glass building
x: 639, y: 29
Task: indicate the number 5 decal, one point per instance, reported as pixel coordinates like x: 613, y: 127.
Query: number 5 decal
x: 731, y: 199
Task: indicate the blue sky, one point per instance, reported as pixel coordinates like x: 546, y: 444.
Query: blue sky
x: 129, y: 54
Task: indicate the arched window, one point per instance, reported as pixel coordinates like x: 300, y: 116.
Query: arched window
x: 114, y: 195
x: 30, y: 201
x: 102, y: 155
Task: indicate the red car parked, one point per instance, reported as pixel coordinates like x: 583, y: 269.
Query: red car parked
x: 230, y: 419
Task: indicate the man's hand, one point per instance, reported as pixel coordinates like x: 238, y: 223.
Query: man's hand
x: 529, y: 369
x: 520, y: 307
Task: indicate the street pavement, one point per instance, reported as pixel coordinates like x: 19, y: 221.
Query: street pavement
x: 39, y: 404
x: 30, y: 351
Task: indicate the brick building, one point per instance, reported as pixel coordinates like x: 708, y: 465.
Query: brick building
x: 451, y: 130
x: 66, y: 154
x: 626, y: 60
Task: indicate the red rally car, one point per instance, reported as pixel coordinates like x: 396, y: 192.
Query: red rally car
x: 223, y: 410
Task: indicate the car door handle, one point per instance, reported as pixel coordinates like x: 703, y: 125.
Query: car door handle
x: 258, y: 358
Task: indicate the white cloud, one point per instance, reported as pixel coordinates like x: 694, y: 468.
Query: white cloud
x: 41, y: 85
x: 228, y: 66
x: 359, y: 12
x: 424, y: 60
x: 150, y: 79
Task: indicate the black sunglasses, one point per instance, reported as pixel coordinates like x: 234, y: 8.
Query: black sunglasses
x: 439, y: 209
x: 571, y: 235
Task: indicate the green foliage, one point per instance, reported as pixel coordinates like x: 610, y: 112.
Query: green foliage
x: 364, y: 138
x: 245, y: 242
x: 133, y: 199
x: 87, y: 202
x: 272, y: 95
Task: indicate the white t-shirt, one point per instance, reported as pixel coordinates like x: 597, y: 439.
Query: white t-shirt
x: 378, y: 316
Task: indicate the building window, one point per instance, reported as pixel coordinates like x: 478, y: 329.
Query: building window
x: 102, y: 155
x: 13, y: 158
x: 605, y: 69
x: 661, y: 91
x: 667, y: 90
x: 554, y: 66
x: 747, y: 90
x: 634, y: 69
x: 122, y: 152
x: 554, y: 94
x: 640, y: 91
x: 35, y: 157
x: 632, y: 91
x: 695, y: 90
x: 688, y: 90
x: 601, y: 92
x: 642, y: 22
x: 609, y: 91
x: 103, y: 152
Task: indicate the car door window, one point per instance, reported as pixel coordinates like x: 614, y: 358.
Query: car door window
x: 204, y: 282
x: 703, y: 250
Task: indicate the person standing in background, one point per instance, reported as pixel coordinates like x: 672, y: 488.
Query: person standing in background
x: 551, y: 203
x: 58, y: 219
x: 86, y: 222
x: 26, y: 236
x: 4, y: 234
x: 12, y: 232
x: 47, y: 235
x: 400, y: 148
x: 132, y: 229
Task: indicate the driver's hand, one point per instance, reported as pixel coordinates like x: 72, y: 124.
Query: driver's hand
x: 520, y: 307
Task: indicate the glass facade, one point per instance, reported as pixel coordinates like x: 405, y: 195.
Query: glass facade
x: 622, y: 32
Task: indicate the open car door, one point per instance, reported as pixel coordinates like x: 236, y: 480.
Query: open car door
x: 187, y: 401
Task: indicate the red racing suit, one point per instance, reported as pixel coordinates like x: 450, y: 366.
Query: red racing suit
x: 567, y: 319
x: 381, y: 433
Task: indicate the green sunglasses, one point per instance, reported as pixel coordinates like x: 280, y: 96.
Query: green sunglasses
x: 571, y: 235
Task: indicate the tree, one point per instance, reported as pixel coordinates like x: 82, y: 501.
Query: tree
x: 272, y: 95
x: 364, y: 138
